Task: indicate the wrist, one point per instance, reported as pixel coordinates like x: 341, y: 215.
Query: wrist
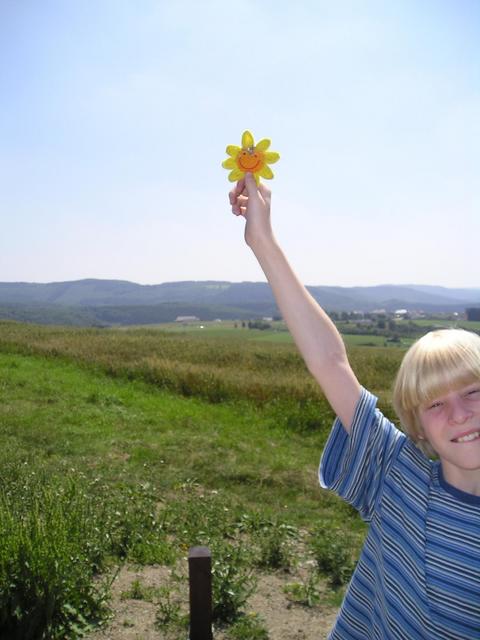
x: 263, y: 243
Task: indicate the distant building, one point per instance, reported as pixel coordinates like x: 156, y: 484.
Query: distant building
x: 473, y: 313
x: 187, y: 319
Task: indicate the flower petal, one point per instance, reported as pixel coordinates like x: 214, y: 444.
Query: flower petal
x: 247, y: 140
x: 263, y: 144
x: 256, y: 175
x: 229, y: 163
x: 236, y: 174
x: 233, y: 150
x: 266, y: 172
x: 271, y: 157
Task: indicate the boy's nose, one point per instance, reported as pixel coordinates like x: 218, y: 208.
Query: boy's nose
x: 459, y: 411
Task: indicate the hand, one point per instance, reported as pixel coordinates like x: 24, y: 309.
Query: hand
x: 252, y: 202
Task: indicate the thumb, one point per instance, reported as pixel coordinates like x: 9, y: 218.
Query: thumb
x: 251, y: 186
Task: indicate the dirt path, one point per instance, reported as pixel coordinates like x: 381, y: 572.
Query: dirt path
x: 135, y: 619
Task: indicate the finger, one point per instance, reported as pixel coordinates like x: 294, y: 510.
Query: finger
x: 237, y: 207
x: 236, y: 203
x: 242, y: 201
x: 233, y: 196
x: 237, y: 190
x: 239, y: 211
x: 265, y: 192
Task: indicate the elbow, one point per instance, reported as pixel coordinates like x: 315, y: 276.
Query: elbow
x: 332, y: 366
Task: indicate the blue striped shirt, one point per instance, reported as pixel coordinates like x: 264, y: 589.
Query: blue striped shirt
x: 418, y: 576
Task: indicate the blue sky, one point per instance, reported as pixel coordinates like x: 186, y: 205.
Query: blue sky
x: 115, y: 114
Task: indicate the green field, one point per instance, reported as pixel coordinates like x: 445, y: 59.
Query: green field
x: 132, y: 445
x: 470, y: 325
x: 277, y: 334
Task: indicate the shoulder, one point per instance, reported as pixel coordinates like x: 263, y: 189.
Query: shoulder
x: 409, y: 482
x: 413, y: 462
x: 355, y: 464
x: 370, y: 427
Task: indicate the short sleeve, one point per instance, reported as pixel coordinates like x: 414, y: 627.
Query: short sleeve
x: 354, y: 464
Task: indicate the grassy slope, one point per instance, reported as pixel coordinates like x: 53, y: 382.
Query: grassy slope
x: 100, y: 406
x: 55, y: 412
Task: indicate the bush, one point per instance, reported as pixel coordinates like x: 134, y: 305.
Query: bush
x: 275, y: 548
x: 232, y: 582
x: 50, y: 550
x: 133, y: 530
x: 170, y: 617
x: 199, y: 517
x: 333, y: 553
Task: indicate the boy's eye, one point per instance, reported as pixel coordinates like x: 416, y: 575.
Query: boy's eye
x: 473, y: 392
x: 435, y: 405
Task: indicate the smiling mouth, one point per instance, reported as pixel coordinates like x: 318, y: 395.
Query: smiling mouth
x: 469, y: 437
x: 252, y: 169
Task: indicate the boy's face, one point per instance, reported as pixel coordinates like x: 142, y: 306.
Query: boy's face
x: 451, y: 424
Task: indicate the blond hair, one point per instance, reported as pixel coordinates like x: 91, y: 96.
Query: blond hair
x: 439, y: 362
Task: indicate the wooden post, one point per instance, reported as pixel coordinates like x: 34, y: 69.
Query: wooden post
x: 200, y: 574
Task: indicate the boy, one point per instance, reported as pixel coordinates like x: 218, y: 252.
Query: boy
x: 418, y: 575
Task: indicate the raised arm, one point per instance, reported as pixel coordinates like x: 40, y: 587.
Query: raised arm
x: 314, y: 333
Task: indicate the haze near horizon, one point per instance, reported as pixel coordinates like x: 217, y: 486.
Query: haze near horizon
x: 115, y: 117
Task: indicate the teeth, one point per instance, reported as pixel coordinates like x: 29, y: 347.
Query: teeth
x: 470, y: 436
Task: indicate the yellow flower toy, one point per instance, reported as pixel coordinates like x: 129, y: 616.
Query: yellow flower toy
x: 250, y: 158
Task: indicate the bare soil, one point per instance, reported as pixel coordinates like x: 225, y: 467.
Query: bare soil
x: 135, y: 619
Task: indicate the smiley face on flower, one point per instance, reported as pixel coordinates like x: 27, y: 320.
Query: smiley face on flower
x: 250, y: 158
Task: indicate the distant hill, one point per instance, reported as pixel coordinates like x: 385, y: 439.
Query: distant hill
x: 105, y: 302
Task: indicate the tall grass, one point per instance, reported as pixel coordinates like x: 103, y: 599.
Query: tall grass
x: 51, y: 548
x: 213, y: 369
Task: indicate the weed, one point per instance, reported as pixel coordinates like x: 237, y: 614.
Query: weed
x: 248, y: 627
x: 333, y: 552
x: 133, y: 530
x: 128, y: 624
x: 232, y: 582
x: 274, y: 543
x: 138, y: 591
x: 200, y: 518
x: 170, y: 617
x: 305, y: 592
